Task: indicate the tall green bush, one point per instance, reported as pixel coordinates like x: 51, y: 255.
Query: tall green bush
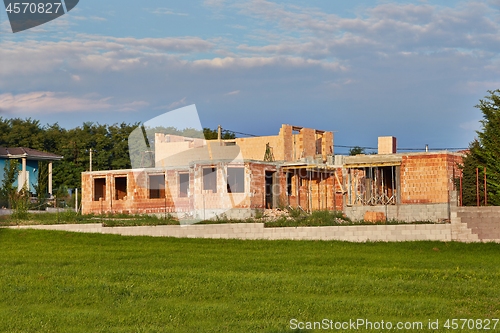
x: 7, y: 190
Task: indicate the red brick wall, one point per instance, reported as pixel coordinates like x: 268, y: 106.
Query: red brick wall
x: 428, y: 178
x: 307, y: 142
x: 137, y: 199
x: 283, y: 145
x: 258, y: 184
x: 286, y: 134
x: 316, y: 193
x: 327, y: 145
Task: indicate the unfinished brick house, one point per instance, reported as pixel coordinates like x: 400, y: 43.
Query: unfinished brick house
x: 407, y: 186
x: 200, y: 179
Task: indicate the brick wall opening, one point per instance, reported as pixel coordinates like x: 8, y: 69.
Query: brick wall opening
x: 156, y: 186
x: 289, y: 188
x: 235, y: 180
x: 210, y: 179
x: 373, y: 185
x: 319, y: 143
x: 183, y: 185
x: 99, y: 189
x: 120, y: 188
x: 269, y: 189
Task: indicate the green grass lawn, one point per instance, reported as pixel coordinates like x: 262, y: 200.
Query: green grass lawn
x: 69, y: 282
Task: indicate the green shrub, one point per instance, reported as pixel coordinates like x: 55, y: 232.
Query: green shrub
x: 316, y: 218
x: 125, y: 220
x: 259, y: 214
x: 20, y: 202
x: 295, y: 212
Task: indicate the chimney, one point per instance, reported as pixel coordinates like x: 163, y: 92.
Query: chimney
x: 387, y: 145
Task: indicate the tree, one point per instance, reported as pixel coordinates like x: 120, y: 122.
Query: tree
x: 8, y: 190
x: 357, y: 150
x: 212, y: 134
x: 109, y: 143
x: 41, y: 186
x: 17, y: 132
x: 484, y: 153
x: 470, y: 162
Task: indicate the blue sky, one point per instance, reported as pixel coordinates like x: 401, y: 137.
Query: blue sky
x: 411, y: 69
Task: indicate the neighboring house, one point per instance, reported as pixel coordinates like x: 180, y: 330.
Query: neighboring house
x: 204, y: 178
x: 28, y: 165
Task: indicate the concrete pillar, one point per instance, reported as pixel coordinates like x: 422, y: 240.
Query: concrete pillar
x: 50, y: 178
x: 23, y: 174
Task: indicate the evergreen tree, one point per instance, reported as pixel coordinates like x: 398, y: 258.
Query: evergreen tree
x: 484, y: 153
x: 470, y: 163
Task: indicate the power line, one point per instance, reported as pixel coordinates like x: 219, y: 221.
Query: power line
x: 399, y: 148
x: 340, y: 146
x: 363, y: 147
x: 433, y: 148
x: 226, y: 130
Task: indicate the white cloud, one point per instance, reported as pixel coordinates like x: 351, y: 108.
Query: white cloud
x: 166, y: 11
x: 388, y: 27
x: 88, y: 18
x: 176, y: 104
x: 169, y: 44
x: 133, y: 106
x: 47, y: 102
x: 214, y: 3
x: 97, y: 54
x: 252, y: 62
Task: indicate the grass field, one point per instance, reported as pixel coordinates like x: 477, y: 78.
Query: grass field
x: 70, y: 282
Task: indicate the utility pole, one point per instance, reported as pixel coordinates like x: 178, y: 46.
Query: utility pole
x: 477, y: 186
x: 485, y: 193
x: 90, y: 159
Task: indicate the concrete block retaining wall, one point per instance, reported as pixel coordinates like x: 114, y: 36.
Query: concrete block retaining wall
x: 407, y: 212
x: 396, y: 233
x: 482, y: 221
